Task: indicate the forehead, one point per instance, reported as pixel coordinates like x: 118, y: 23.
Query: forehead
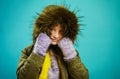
x: 57, y: 27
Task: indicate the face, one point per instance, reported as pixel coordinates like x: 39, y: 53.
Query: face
x: 56, y: 34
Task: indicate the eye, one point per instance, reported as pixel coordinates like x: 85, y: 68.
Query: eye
x: 51, y: 28
x: 61, y: 32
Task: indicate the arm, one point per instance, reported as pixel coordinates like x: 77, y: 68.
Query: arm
x: 76, y: 69
x: 29, y: 66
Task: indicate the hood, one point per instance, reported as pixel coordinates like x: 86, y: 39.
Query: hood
x: 52, y: 15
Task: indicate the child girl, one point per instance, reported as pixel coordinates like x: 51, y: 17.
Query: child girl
x: 52, y: 54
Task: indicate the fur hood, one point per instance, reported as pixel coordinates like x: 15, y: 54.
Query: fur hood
x: 53, y: 15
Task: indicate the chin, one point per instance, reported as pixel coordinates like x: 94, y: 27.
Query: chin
x: 54, y: 43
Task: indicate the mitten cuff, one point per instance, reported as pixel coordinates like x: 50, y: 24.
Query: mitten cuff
x: 70, y: 55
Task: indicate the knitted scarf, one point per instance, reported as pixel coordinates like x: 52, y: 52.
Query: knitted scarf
x: 50, y: 67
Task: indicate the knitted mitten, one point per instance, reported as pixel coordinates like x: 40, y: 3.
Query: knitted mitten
x: 66, y: 46
x: 41, y: 45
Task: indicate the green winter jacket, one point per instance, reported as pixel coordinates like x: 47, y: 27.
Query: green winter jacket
x: 30, y: 66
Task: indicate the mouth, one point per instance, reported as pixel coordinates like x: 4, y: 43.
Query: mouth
x: 54, y: 40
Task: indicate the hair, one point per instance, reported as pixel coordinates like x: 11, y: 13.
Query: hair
x: 53, y: 15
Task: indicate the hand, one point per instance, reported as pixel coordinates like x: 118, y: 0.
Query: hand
x: 41, y: 45
x: 66, y: 46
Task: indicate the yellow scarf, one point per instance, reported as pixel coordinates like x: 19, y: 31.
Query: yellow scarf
x: 45, y: 67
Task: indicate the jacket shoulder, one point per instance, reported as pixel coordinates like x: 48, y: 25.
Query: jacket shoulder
x: 28, y: 50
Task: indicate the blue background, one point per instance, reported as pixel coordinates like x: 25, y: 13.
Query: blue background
x: 98, y: 45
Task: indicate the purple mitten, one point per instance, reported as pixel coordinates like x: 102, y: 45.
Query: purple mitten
x: 66, y: 46
x: 41, y: 45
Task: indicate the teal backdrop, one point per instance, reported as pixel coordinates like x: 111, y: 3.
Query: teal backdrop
x: 98, y: 44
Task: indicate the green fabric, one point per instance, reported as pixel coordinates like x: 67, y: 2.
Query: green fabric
x: 30, y: 66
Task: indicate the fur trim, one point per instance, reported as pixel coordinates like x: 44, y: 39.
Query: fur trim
x: 54, y: 14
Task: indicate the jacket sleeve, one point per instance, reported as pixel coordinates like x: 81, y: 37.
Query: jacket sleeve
x: 76, y: 69
x: 30, y: 66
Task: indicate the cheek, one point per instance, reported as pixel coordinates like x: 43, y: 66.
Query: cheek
x: 51, y: 34
x: 61, y: 37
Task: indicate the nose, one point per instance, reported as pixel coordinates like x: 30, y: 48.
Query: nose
x: 56, y: 34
